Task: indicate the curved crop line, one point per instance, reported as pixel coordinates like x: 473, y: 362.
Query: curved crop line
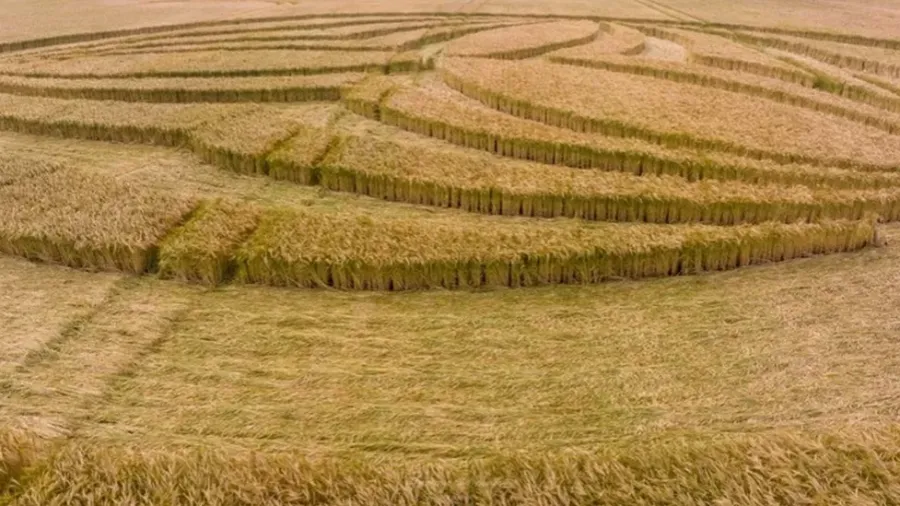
x: 259, y: 262
x: 397, y: 66
x: 582, y: 156
x: 237, y: 47
x: 830, y: 57
x: 573, y: 121
x: 112, y: 34
x: 859, y: 40
x: 531, y: 52
x: 657, y: 208
x: 280, y: 38
x: 185, y: 95
x: 738, y: 87
x: 826, y: 82
x: 760, y: 69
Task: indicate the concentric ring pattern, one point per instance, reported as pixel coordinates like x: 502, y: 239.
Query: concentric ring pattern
x: 452, y: 151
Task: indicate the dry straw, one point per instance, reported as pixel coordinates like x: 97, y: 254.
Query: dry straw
x: 202, y: 250
x: 861, y: 88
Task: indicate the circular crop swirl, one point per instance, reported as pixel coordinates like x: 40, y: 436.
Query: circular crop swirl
x: 417, y: 151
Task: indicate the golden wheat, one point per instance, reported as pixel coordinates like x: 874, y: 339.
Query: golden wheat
x: 866, y: 59
x: 831, y: 468
x: 721, y: 52
x: 86, y: 221
x: 346, y: 33
x: 434, y: 110
x: 175, y: 90
x: 709, y: 119
x: 764, y: 87
x: 361, y: 252
x: 429, y: 174
x: 205, y: 64
x: 202, y: 250
x: 243, y: 142
x: 525, y: 41
x: 13, y: 169
x: 614, y: 39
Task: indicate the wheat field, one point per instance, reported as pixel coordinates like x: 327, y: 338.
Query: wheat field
x: 507, y: 252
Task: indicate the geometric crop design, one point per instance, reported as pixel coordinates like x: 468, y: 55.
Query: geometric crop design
x: 413, y: 151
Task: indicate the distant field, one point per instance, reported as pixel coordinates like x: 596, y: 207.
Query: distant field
x: 298, y: 253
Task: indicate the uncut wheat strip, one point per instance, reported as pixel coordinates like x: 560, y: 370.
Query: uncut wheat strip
x: 878, y: 61
x: 206, y: 64
x: 614, y: 39
x: 846, y: 38
x: 360, y: 252
x: 425, y: 173
x: 213, y: 31
x: 432, y: 109
x: 86, y: 221
x: 768, y: 88
x: 235, y: 137
x: 299, y: 157
x: 696, y: 117
x: 891, y: 86
x: 160, y: 124
x: 852, y: 465
x: 860, y: 88
x: 365, y: 97
x: 324, y: 87
x: 202, y: 249
x: 525, y: 41
x: 721, y: 52
x: 283, y: 36
x: 21, y: 45
x: 242, y: 144
x: 399, y: 41
x: 117, y: 45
